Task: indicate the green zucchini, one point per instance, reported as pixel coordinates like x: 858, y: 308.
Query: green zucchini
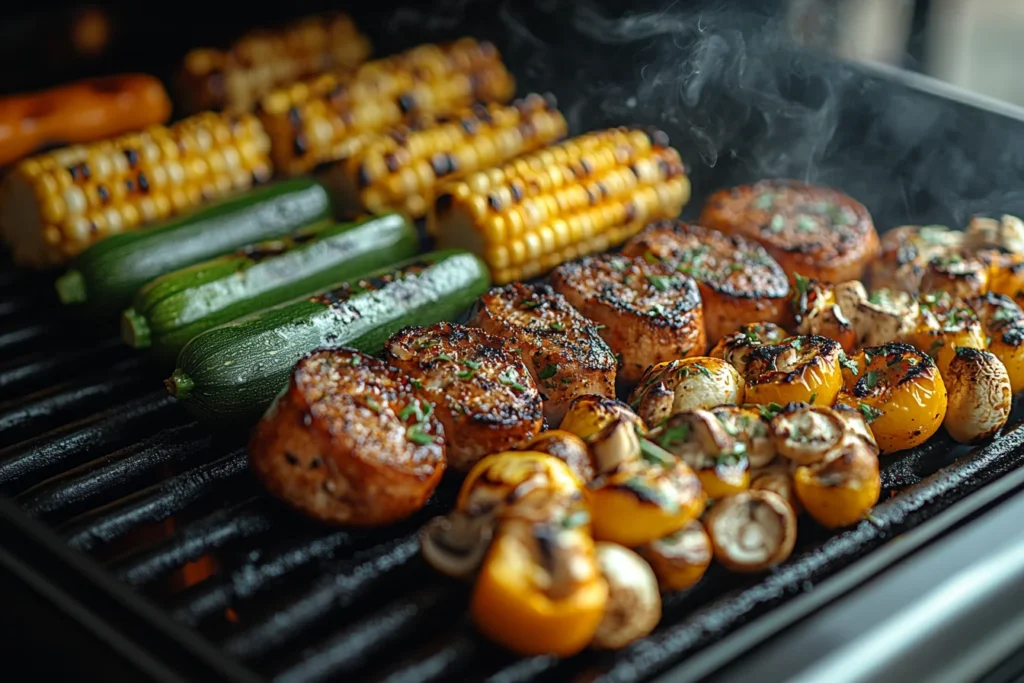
x: 233, y: 372
x: 173, y: 308
x: 104, y: 278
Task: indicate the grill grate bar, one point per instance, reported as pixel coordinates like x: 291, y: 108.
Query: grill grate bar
x: 353, y: 647
x: 152, y: 504
x: 67, y: 402
x: 104, y: 478
x: 38, y: 369
x: 195, y: 603
x: 353, y: 579
x: 13, y: 307
x: 150, y: 562
x: 16, y: 340
x: 29, y: 462
x: 447, y: 663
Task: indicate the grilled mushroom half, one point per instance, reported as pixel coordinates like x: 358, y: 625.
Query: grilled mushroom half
x: 751, y: 531
x: 683, y: 385
x: 456, y: 544
x: 634, y: 603
x: 680, y: 559
x: 979, y: 396
x: 808, y: 434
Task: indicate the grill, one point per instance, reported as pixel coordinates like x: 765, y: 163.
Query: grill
x: 134, y: 540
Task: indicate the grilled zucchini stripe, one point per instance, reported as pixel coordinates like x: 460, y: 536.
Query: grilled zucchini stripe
x: 54, y: 205
x: 329, y: 117
x: 398, y: 171
x: 572, y: 199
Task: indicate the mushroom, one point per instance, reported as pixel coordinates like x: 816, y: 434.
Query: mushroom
x: 588, y: 414
x: 733, y: 348
x: 777, y: 478
x: 684, y: 385
x: 634, y: 603
x: 616, y: 444
x: 568, y: 448
x: 747, y: 426
x: 751, y: 531
x: 705, y: 443
x: 456, y: 544
x: 882, y: 317
x: 856, y: 424
x: 807, y: 434
x: 978, y: 395
x: 840, y: 492
x: 960, y: 275
x: 680, y: 559
x: 1006, y: 234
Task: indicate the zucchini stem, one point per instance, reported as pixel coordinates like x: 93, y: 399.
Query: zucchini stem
x: 179, y: 385
x: 71, y: 287
x: 135, y: 329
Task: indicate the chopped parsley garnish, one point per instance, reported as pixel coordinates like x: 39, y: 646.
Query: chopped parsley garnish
x: 466, y: 374
x: 848, y: 363
x: 415, y: 433
x: 870, y: 413
x: 751, y: 336
x: 618, y: 264
x: 727, y: 425
x: 576, y: 519
x: 764, y: 202
x: 733, y: 267
x: 870, y: 379
x: 777, y: 224
x: 669, y: 436
x: 427, y: 343
x: 803, y: 284
x: 557, y: 327
x: 527, y: 304
x: 806, y: 224
x: 1005, y: 314
x: 769, y: 411
x: 416, y: 409
x: 797, y: 343
x: 732, y: 458
x: 442, y: 356
x: 510, y: 381
x: 472, y: 364
x: 416, y: 383
x: 548, y: 371
x: 373, y: 405
x: 813, y: 398
x: 655, y: 454
x: 652, y: 495
x: 651, y: 258
x: 662, y: 283
x: 355, y: 360
x: 876, y: 297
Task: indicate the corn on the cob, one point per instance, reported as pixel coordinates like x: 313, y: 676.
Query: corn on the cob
x: 398, y: 171
x: 573, y: 199
x: 329, y: 117
x: 236, y: 78
x: 54, y: 205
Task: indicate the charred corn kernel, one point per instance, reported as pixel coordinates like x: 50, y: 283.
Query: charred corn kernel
x: 236, y: 78
x: 578, y: 197
x: 1003, y: 323
x: 682, y: 385
x: 680, y: 559
x: 399, y: 170
x: 709, y: 446
x: 817, y: 310
x: 945, y: 323
x: 504, y: 480
x: 798, y: 369
x: 568, y: 448
x: 900, y: 392
x: 640, y: 502
x: 539, y: 590
x: 589, y: 414
x: 139, y: 184
x: 329, y: 117
x: 842, y: 491
x: 735, y: 348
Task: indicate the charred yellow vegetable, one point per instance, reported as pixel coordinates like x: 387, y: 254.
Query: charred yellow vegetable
x: 591, y: 413
x: 735, y: 348
x: 1003, y: 322
x: 900, y: 392
x: 506, y: 479
x: 979, y: 396
x: 681, y: 385
x: 798, y: 369
x: 957, y: 274
x: 642, y: 501
x: 704, y: 443
x: 751, y: 531
x: 680, y: 559
x: 945, y: 323
x: 540, y: 590
x: 818, y: 309
x: 840, y: 492
x: 568, y: 448
x: 905, y: 253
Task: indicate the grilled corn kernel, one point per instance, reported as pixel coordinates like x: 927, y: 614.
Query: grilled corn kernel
x: 399, y: 170
x: 539, y: 590
x: 682, y: 385
x: 50, y: 216
x: 680, y: 560
x: 578, y: 197
x: 946, y: 323
x: 840, y: 492
x: 900, y: 392
x: 798, y: 369
x: 329, y: 117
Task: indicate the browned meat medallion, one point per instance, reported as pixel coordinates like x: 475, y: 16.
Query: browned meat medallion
x: 650, y: 312
x: 817, y: 232
x: 563, y: 350
x: 350, y: 441
x: 739, y: 281
x: 481, y: 389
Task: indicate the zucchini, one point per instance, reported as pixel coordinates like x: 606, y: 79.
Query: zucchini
x: 104, y: 278
x: 173, y: 308
x: 233, y: 372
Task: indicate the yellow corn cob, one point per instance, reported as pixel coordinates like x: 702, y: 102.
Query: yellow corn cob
x: 54, y: 205
x: 398, y: 170
x: 576, y: 198
x: 235, y: 79
x: 326, y: 118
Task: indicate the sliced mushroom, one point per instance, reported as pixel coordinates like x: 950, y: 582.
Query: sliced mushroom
x: 681, y: 559
x: 856, y: 424
x: 818, y: 310
x: 634, y: 603
x: 959, y: 274
x: 883, y: 317
x: 747, y: 426
x: 777, y: 478
x: 752, y: 531
x: 1006, y: 234
x: 808, y: 434
x: 705, y: 443
x: 733, y: 348
x: 683, y: 385
x: 456, y: 544
x: 978, y: 395
x: 618, y: 443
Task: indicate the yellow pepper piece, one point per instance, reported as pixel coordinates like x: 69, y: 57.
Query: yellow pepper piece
x: 798, y: 369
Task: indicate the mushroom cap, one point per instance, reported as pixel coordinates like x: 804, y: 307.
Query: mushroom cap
x: 808, y: 434
x: 456, y: 544
x: 634, y: 602
x: 618, y: 443
x: 679, y: 560
x: 752, y: 531
x: 684, y: 385
x: 979, y: 396
x: 590, y: 413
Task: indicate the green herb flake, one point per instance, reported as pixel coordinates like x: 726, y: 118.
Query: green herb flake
x: 727, y: 424
x: 751, y: 336
x: 651, y: 495
x: 662, y: 283
x: 510, y: 381
x: 768, y: 412
x: 618, y: 264
x: 466, y: 374
x: 870, y: 379
x: 702, y: 370
x: 355, y: 360
x: 442, y: 357
x: 556, y: 327
x: 797, y: 343
x: 528, y: 304
x: 806, y: 224
x: 651, y: 258
x: 548, y: 371
x: 655, y: 454
x: 575, y: 520
x: 670, y: 436
x: 848, y: 363
x: 427, y: 343
x: 777, y: 224
x: 410, y: 410
x: 1005, y: 314
x: 373, y: 405
x: 416, y: 383
x: 803, y: 285
x: 764, y: 202
x: 733, y: 267
x: 417, y: 435
x: 813, y: 398
x: 870, y: 413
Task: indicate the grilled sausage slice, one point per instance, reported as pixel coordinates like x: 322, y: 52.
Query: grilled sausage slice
x: 482, y: 392
x: 739, y: 282
x: 563, y: 350
x: 350, y: 441
x: 817, y: 232
x: 650, y: 312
